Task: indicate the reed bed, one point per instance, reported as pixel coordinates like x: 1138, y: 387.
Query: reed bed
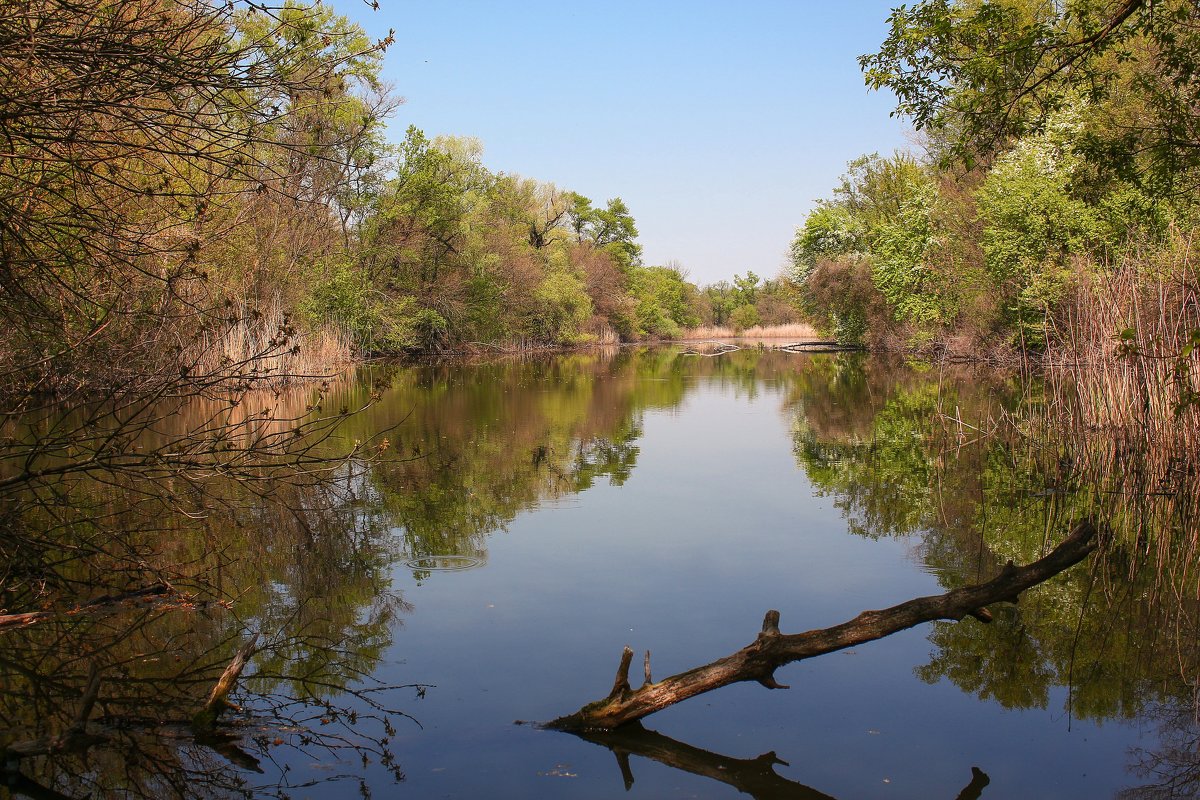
x: 264, y: 348
x: 1121, y: 388
x: 795, y: 330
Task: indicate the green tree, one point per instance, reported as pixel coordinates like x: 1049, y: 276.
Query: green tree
x: 980, y: 74
x: 142, y: 140
x: 829, y: 231
x: 859, y: 258
x: 743, y: 317
x: 611, y: 228
x: 666, y: 302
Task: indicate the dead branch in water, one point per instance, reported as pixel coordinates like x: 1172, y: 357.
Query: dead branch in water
x: 206, y: 718
x: 771, y: 650
x: 99, y: 604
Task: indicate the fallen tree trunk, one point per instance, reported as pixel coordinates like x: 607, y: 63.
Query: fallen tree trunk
x: 818, y: 347
x: 771, y: 650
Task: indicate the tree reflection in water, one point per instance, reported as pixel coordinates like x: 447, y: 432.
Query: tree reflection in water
x: 753, y: 776
x: 936, y: 459
x: 101, y: 701
x: 976, y: 474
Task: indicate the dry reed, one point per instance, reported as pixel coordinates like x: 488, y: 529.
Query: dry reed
x: 795, y: 330
x: 1120, y: 384
x: 264, y: 348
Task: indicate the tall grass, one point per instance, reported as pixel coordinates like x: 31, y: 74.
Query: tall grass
x: 1123, y: 341
x: 1120, y: 385
x: 265, y: 348
x: 796, y: 330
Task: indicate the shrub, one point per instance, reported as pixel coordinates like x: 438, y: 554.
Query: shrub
x: 743, y: 317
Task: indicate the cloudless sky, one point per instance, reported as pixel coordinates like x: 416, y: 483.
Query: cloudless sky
x: 718, y: 123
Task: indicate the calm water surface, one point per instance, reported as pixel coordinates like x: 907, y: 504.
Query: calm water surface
x: 533, y: 517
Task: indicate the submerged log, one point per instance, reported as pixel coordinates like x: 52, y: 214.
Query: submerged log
x: 205, y: 719
x: 758, y: 660
x: 827, y: 346
x: 107, y: 602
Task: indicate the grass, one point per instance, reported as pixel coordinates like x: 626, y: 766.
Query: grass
x: 1120, y: 358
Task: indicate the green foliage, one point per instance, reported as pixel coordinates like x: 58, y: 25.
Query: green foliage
x: 378, y: 323
x: 868, y: 247
x: 611, y: 228
x: 745, y: 290
x: 849, y: 325
x: 163, y: 160
x: 750, y: 301
x: 500, y: 258
x: 980, y: 74
x: 563, y: 306
x: 1077, y: 125
x: 900, y: 270
x: 666, y: 302
x: 1036, y: 221
x: 1044, y: 214
x: 829, y: 231
x: 296, y: 35
x: 743, y: 317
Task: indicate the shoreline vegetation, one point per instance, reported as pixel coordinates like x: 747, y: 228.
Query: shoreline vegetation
x: 200, y: 200
x: 199, y: 207
x: 1047, y: 221
x: 194, y: 196
x: 219, y: 208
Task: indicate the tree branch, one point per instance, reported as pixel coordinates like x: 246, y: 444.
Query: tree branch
x: 205, y: 719
x: 771, y: 650
x: 99, y: 604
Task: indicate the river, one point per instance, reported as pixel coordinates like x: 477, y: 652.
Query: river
x: 507, y: 527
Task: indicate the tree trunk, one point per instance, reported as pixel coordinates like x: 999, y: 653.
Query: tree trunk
x: 771, y: 650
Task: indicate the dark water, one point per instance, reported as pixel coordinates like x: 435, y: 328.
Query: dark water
x: 525, y: 520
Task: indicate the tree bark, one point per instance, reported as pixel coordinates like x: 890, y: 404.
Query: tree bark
x: 771, y: 650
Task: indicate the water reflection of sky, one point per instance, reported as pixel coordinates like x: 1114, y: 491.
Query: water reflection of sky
x: 715, y: 525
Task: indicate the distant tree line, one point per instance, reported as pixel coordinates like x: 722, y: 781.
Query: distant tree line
x: 187, y: 187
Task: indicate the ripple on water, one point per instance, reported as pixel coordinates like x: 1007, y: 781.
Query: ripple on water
x: 447, y: 563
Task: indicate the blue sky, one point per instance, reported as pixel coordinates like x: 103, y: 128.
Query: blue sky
x: 718, y: 123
